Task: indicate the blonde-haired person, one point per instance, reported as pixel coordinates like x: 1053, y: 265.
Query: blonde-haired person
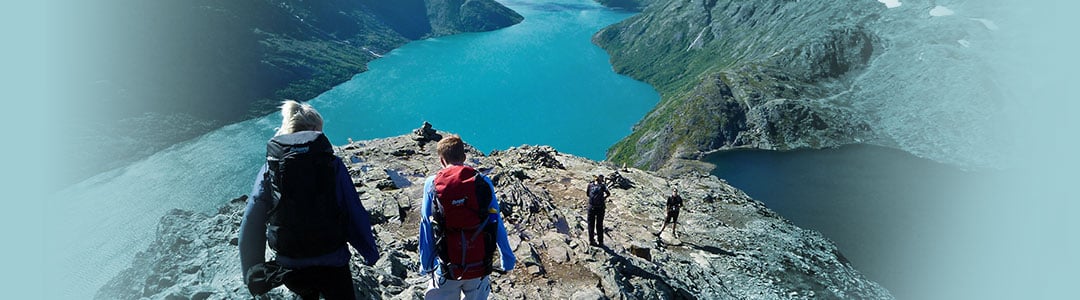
x: 449, y: 199
x: 297, y: 117
x: 312, y: 214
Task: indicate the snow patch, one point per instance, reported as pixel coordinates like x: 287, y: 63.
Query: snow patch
x: 989, y: 24
x: 697, y: 40
x: 941, y: 11
x: 890, y: 3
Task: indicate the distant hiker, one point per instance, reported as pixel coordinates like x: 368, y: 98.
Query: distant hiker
x: 460, y: 228
x: 598, y: 194
x: 305, y: 205
x: 618, y: 181
x: 674, y: 204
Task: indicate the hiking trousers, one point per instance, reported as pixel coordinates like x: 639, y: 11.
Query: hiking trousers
x: 331, y: 282
x: 440, y: 288
x: 595, y: 221
x: 672, y: 217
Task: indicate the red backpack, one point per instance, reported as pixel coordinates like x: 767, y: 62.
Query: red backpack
x: 463, y: 227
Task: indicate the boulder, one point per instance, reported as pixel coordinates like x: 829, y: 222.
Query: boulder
x: 641, y: 251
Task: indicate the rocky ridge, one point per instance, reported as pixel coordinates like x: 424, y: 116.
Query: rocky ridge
x: 730, y: 246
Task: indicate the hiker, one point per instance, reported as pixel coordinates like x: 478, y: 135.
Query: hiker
x: 460, y: 228
x: 674, y: 204
x: 598, y: 193
x: 307, y: 212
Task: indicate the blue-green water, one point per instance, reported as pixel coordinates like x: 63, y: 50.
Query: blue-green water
x: 538, y: 82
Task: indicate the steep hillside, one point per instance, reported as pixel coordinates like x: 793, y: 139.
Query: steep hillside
x: 155, y: 73
x: 783, y: 75
x: 730, y: 246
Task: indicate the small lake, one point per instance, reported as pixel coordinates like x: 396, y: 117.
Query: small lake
x: 884, y: 208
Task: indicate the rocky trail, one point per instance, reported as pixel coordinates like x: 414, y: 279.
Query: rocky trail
x: 730, y: 246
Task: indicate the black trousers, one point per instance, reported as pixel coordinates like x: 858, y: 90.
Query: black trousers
x: 595, y: 221
x: 672, y: 217
x: 330, y: 282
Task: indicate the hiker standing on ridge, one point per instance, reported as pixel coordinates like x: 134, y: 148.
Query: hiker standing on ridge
x: 674, y: 204
x: 304, y: 204
x: 460, y: 228
x: 598, y: 194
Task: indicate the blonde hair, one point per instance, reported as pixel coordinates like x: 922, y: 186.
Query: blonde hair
x: 297, y: 117
x: 452, y: 149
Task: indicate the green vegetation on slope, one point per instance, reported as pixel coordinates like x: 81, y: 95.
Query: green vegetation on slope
x: 216, y: 62
x: 717, y: 64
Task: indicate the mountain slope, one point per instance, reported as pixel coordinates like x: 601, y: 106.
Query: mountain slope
x: 145, y: 75
x: 783, y: 75
x: 731, y: 246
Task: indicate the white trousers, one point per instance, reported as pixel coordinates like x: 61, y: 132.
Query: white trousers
x: 470, y: 289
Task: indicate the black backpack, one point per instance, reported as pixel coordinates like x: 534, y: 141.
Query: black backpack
x: 596, y: 194
x: 305, y: 219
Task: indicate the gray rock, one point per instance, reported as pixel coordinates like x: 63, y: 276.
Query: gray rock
x: 558, y: 254
x: 641, y: 251
x: 535, y: 270
x: 541, y: 156
x: 756, y: 254
x: 386, y: 185
x: 392, y: 265
x: 403, y: 152
x: 588, y: 294
x: 203, y: 295
x: 527, y: 255
x: 515, y: 240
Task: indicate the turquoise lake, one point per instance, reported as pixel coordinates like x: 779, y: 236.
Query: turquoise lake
x: 539, y: 82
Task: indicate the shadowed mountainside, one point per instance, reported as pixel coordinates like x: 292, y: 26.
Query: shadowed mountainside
x: 150, y: 74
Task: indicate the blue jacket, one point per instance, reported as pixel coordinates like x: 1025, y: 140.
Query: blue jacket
x: 253, y: 226
x: 427, y: 239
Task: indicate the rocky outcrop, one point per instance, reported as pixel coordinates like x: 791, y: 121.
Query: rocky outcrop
x: 453, y: 16
x: 730, y: 246
x: 782, y: 75
x: 626, y: 4
x: 211, y: 63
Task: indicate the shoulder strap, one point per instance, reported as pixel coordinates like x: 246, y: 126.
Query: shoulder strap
x: 484, y: 194
x: 299, y: 142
